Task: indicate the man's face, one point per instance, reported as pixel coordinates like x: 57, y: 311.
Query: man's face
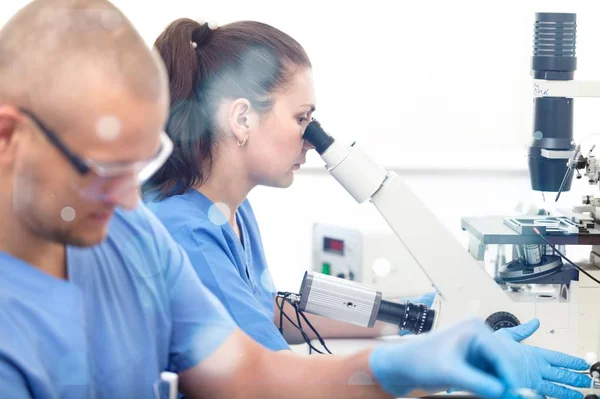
x: 109, y: 126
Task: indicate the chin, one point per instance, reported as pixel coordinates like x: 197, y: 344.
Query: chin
x: 286, y: 181
x: 87, y: 238
x: 281, y: 182
x: 278, y: 181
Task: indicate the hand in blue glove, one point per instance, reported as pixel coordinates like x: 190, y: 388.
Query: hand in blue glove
x: 540, y: 369
x: 467, y: 356
x: 520, y: 332
x: 426, y: 300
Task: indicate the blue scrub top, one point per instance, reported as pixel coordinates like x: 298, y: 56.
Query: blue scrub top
x: 235, y: 271
x: 132, y: 308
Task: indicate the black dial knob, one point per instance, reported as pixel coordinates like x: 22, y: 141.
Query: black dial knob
x: 500, y: 320
x: 595, y: 370
x: 591, y: 396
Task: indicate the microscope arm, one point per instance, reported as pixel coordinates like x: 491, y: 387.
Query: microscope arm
x: 462, y: 282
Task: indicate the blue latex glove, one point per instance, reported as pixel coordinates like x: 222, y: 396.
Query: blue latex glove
x: 540, y: 369
x: 520, y: 332
x: 467, y: 356
x: 426, y: 299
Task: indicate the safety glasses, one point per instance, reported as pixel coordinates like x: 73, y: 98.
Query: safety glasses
x: 102, y: 179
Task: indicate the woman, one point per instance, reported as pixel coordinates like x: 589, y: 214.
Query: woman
x: 241, y: 98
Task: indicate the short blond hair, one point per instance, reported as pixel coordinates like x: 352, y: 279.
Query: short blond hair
x: 50, y: 45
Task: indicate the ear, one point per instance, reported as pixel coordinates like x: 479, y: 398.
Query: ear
x: 9, y: 119
x: 242, y: 118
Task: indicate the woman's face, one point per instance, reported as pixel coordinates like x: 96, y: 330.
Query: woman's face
x: 275, y: 148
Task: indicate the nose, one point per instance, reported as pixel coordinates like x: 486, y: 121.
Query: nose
x: 123, y: 192
x: 126, y: 198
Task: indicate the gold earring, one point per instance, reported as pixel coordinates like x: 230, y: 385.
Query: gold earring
x: 243, y: 143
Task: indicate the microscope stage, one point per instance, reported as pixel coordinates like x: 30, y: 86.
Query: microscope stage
x: 494, y: 230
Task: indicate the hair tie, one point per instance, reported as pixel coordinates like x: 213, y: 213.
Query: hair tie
x: 201, y: 34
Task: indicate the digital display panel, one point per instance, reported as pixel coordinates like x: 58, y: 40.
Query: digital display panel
x: 333, y: 245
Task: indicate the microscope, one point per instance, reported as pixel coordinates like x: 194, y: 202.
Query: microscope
x: 567, y: 307
x: 563, y: 293
x: 535, y: 268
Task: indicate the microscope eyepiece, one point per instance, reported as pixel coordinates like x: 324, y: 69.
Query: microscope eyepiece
x: 315, y: 135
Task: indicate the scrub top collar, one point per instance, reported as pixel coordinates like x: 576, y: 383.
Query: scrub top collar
x: 204, y: 203
x: 60, y: 294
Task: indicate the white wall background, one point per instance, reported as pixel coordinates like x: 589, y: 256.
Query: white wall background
x: 409, y: 78
x: 439, y: 90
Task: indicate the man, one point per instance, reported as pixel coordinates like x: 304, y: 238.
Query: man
x: 95, y: 297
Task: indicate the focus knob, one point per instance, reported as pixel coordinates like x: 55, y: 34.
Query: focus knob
x: 500, y: 320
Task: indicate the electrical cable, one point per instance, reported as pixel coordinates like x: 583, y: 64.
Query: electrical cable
x: 304, y: 334
x: 563, y: 256
x: 280, y: 300
x: 321, y: 340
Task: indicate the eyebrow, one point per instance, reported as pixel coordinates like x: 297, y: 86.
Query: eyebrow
x: 312, y: 107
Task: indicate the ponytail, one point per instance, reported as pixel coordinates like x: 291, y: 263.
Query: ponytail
x: 180, y: 57
x: 187, y: 126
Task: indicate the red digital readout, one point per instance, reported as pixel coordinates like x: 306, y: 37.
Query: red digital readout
x: 333, y: 245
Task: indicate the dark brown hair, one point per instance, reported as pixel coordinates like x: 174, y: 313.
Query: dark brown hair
x: 243, y: 59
